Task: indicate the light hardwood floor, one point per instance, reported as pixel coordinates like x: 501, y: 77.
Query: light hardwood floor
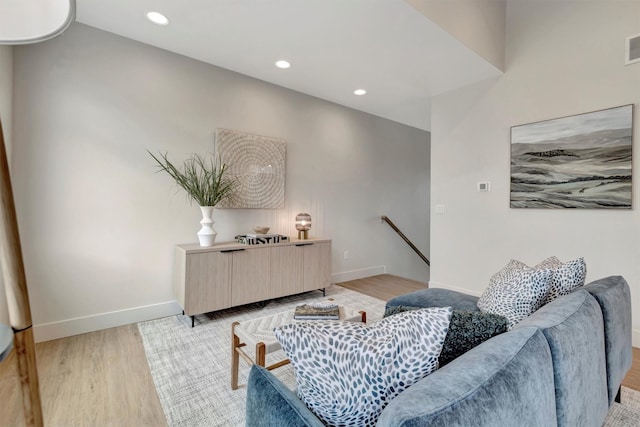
x: 95, y: 379
x: 102, y: 378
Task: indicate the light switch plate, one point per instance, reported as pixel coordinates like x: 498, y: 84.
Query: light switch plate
x: 484, y: 186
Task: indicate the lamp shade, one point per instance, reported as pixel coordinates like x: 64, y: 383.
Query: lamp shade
x: 303, y: 222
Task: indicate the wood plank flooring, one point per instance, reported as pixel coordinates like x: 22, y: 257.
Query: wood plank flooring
x: 102, y: 378
x: 95, y: 379
x: 632, y: 380
x: 384, y: 286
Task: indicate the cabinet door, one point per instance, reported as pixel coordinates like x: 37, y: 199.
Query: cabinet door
x: 208, y: 282
x: 286, y: 270
x: 250, y: 278
x: 317, y: 265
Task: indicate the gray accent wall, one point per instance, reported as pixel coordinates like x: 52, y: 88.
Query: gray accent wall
x: 99, y: 225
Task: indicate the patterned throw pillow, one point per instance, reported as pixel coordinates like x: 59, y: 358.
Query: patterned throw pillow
x: 516, y: 291
x: 566, y: 276
x: 347, y: 372
x: 467, y: 329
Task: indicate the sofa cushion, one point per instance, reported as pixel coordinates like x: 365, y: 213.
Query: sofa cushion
x: 347, y: 372
x: 505, y: 381
x: 573, y: 327
x: 567, y: 276
x: 436, y: 297
x: 467, y: 329
x: 516, y: 291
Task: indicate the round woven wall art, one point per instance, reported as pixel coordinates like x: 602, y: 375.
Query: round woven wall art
x: 258, y: 163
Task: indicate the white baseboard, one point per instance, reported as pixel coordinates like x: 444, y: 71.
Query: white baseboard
x: 357, y: 274
x: 433, y: 284
x: 635, y: 338
x: 81, y: 325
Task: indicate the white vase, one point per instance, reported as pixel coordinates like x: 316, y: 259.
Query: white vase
x: 207, y: 235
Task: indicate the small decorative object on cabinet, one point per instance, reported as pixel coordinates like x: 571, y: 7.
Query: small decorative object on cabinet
x: 261, y: 229
x: 231, y: 274
x: 205, y: 182
x: 303, y: 224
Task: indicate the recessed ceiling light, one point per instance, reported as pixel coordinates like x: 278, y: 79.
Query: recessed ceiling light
x: 359, y: 91
x: 157, y: 18
x: 283, y: 64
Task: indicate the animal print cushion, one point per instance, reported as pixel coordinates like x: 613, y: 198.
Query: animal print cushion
x: 566, y: 276
x: 467, y: 329
x: 347, y: 372
x: 516, y: 291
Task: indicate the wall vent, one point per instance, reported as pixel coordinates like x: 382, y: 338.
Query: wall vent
x: 632, y: 50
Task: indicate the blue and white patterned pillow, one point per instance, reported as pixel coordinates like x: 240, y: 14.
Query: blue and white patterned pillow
x: 567, y: 276
x: 516, y: 291
x: 347, y: 372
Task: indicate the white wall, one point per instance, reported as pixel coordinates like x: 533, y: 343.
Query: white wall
x: 99, y: 225
x: 479, y: 24
x: 563, y: 58
x: 6, y: 114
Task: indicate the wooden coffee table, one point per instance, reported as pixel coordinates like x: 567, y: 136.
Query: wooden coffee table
x: 258, y: 333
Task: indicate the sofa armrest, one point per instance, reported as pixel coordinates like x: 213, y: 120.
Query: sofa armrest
x: 271, y: 403
x: 614, y: 298
x: 436, y: 297
x: 505, y: 381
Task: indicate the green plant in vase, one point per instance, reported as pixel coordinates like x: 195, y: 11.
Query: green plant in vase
x: 205, y: 182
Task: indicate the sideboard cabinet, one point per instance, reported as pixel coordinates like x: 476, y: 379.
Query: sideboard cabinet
x: 230, y: 274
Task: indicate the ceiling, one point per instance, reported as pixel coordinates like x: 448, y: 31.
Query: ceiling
x: 386, y: 47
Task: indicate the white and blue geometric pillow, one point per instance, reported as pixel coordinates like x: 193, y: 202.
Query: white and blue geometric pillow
x: 516, y: 291
x: 347, y: 372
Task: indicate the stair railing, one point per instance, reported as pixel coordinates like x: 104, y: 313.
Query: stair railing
x: 406, y: 239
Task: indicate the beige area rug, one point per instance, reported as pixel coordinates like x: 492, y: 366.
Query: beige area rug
x: 191, y: 366
x: 627, y: 413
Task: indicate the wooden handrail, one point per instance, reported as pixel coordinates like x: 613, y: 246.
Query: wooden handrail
x: 15, y: 286
x: 406, y: 239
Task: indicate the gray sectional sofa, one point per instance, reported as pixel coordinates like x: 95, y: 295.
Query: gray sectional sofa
x: 563, y: 365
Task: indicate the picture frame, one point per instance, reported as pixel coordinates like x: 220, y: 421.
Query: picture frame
x: 580, y: 161
x: 258, y: 164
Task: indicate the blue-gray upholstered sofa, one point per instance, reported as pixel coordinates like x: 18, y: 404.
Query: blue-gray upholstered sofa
x: 563, y: 365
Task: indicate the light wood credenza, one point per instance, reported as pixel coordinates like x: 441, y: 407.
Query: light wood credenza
x: 231, y: 274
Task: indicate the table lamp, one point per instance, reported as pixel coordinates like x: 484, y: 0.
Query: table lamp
x: 303, y: 224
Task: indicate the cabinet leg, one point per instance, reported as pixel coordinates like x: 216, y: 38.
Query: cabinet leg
x: 193, y: 321
x: 324, y: 292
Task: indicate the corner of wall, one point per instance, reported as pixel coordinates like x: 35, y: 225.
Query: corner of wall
x: 480, y: 25
x: 346, y: 276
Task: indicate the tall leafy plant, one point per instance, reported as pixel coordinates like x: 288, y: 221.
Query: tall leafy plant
x: 203, y: 180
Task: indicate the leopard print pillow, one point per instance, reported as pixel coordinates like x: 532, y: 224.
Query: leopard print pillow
x: 347, y: 372
x: 566, y: 276
x: 516, y: 291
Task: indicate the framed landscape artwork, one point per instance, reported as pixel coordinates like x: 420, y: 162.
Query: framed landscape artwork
x: 581, y: 161
x: 258, y: 164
